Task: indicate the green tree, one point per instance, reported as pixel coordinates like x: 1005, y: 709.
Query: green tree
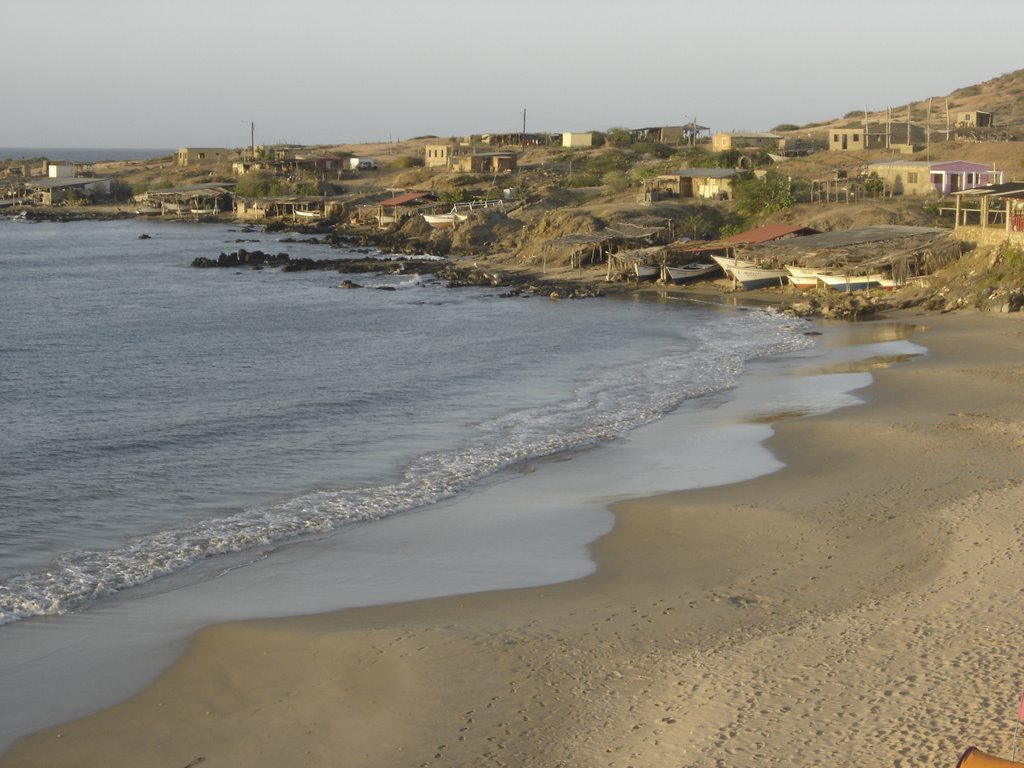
x: 618, y: 137
x: 694, y: 226
x: 261, y: 184
x: 874, y: 185
x: 757, y: 198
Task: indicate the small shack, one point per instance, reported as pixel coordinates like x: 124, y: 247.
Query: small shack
x: 704, y: 183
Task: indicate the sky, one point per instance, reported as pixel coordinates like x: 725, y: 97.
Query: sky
x: 215, y: 73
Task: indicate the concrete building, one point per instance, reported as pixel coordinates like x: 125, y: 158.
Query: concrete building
x: 704, y: 183
x: 723, y: 142
x: 190, y: 156
x: 577, y: 139
x: 920, y: 177
x: 975, y: 119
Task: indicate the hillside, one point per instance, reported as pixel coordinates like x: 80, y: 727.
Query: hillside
x: 564, y: 194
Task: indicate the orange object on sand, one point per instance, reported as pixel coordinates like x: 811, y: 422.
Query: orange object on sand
x: 975, y: 758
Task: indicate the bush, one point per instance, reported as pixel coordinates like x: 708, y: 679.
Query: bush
x: 784, y: 127
x: 408, y: 161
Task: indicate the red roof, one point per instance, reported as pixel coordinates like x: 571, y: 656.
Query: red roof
x: 408, y: 197
x: 766, y: 233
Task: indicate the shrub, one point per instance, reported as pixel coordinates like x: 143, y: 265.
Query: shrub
x: 407, y: 161
x: 783, y: 127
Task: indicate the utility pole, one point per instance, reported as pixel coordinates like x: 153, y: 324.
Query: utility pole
x: 252, y: 138
x: 524, y: 129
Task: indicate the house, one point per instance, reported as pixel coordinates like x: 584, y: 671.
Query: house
x: 723, y: 142
x: 691, y: 133
x: 875, y: 136
x: 486, y: 162
x: 705, y: 183
x: 577, y: 140
x: 920, y: 177
x: 438, y: 155
x: 189, y: 156
x: 976, y: 119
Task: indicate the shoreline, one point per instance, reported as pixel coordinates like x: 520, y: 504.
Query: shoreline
x: 721, y: 623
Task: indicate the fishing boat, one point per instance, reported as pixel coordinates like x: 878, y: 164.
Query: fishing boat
x: 804, y: 278
x: 749, y: 278
x: 459, y: 213
x: 727, y: 263
x: 303, y: 213
x: 690, y: 271
x: 148, y: 210
x: 847, y: 283
x: 646, y: 271
x: 444, y: 220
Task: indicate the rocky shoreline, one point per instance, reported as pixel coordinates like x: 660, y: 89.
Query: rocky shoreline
x: 967, y: 284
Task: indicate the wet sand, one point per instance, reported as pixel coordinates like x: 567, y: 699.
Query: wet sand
x: 857, y: 607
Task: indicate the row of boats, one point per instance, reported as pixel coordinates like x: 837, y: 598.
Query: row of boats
x: 748, y: 275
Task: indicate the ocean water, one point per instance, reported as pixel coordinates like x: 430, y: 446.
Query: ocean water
x: 157, y: 415
x: 82, y: 154
x: 184, y: 446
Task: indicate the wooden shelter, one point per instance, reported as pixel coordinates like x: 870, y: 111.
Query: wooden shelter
x: 904, y: 251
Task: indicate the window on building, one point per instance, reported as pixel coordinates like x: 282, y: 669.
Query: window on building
x: 911, y: 177
x: 856, y: 137
x: 835, y: 137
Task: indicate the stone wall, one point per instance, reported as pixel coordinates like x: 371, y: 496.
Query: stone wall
x: 987, y: 236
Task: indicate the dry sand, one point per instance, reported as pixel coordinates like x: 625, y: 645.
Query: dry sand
x: 859, y: 607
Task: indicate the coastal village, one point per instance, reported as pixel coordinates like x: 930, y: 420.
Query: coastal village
x: 855, y: 603
x: 843, y: 219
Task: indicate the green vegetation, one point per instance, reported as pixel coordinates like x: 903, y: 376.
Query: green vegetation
x: 592, y: 170
x: 407, y: 161
x: 618, y: 137
x: 785, y: 127
x: 265, y: 184
x: 874, y: 185
x: 757, y: 198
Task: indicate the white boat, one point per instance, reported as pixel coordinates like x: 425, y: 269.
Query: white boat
x: 804, y: 278
x: 444, y: 220
x: 727, y: 263
x: 846, y: 283
x: 306, y: 214
x: 646, y: 271
x: 148, y: 210
x: 758, y: 277
x: 690, y: 271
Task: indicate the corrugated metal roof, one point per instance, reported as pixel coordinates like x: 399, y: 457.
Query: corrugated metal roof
x: 408, y: 197
x: 766, y: 233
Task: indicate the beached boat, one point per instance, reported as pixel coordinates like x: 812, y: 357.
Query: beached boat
x: 444, y: 220
x: 804, y: 278
x: 646, y: 271
x: 758, y: 277
x: 459, y: 213
x: 727, y: 263
x: 148, y: 210
x: 690, y: 271
x: 846, y: 283
x: 302, y: 213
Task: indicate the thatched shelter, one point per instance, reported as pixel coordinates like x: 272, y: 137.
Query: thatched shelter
x: 903, y: 251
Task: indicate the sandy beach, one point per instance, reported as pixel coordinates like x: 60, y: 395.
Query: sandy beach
x: 857, y: 607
